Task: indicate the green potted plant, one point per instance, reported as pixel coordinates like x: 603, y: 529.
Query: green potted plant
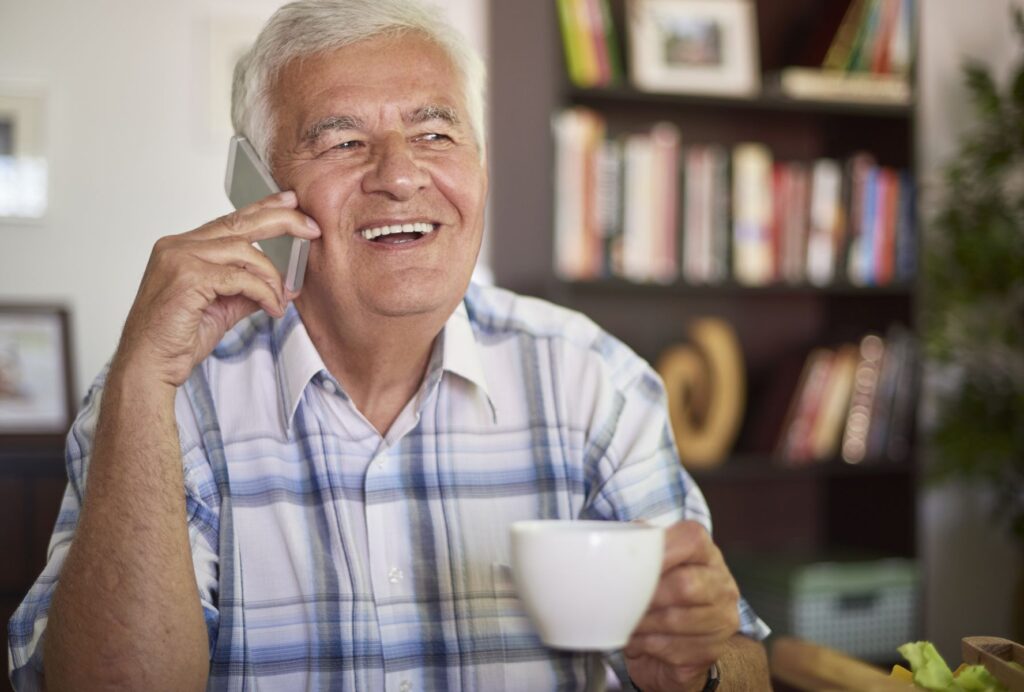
x: 973, y: 309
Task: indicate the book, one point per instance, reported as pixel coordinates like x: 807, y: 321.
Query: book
x: 697, y: 211
x: 827, y: 430
x: 665, y: 151
x: 794, y: 221
x: 901, y: 47
x: 843, y: 86
x: 887, y: 24
x: 752, y: 214
x: 637, y: 214
x: 571, y: 39
x: 860, y: 55
x: 858, y: 168
x: 578, y: 133
x: 862, y: 399
x: 885, y: 241
x: 826, y: 220
x: 608, y: 196
x: 894, y: 361
x: 721, y: 219
x: 904, y: 399
x: 838, y: 55
x: 795, y: 444
x: 906, y: 233
x: 611, y: 43
x: 590, y: 65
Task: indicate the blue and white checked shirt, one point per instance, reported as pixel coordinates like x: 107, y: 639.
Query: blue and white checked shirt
x: 330, y: 557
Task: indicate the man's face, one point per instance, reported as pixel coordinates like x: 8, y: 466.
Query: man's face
x: 375, y: 136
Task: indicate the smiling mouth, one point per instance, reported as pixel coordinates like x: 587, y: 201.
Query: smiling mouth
x: 398, y: 233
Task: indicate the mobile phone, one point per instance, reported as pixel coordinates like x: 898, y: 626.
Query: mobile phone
x: 248, y: 180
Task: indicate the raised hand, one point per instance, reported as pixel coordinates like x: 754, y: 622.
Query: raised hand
x: 199, y: 284
x: 693, y: 614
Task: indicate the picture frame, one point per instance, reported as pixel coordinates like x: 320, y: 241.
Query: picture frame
x: 37, y: 400
x: 24, y: 176
x: 707, y: 47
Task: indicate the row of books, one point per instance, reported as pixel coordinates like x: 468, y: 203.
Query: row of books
x: 855, y: 401
x: 874, y: 36
x: 592, y: 55
x: 650, y: 209
x: 868, y: 58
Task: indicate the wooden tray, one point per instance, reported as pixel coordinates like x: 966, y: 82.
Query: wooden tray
x: 811, y: 667
x: 996, y: 654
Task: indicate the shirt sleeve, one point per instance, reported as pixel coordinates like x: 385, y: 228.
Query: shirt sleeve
x: 27, y: 627
x: 636, y: 469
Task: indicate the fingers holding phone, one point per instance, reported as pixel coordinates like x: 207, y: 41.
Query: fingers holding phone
x: 199, y: 284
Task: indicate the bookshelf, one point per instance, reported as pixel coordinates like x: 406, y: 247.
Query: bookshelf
x: 758, y: 503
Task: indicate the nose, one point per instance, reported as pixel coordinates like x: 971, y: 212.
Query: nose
x: 394, y: 170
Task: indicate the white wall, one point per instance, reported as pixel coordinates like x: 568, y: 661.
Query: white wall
x: 972, y: 568
x: 133, y: 155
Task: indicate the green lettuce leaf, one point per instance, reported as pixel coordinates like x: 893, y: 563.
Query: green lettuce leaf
x: 978, y: 679
x: 930, y: 671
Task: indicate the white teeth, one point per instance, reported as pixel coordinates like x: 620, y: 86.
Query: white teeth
x: 371, y: 233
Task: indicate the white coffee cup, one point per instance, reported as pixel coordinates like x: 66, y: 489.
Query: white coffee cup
x: 586, y: 584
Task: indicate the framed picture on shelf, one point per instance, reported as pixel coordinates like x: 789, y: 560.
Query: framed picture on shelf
x: 35, y: 371
x: 23, y: 165
x: 694, y: 46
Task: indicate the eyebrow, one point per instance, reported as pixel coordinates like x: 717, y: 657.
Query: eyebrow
x: 417, y: 116
x: 333, y: 122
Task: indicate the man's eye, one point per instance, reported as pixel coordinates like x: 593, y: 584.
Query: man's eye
x: 350, y: 144
x: 435, y: 137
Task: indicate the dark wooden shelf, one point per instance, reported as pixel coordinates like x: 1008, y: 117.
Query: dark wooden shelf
x: 769, y: 100
x: 620, y: 286
x: 758, y: 467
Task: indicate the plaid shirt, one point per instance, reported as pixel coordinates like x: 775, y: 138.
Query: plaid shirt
x: 330, y: 557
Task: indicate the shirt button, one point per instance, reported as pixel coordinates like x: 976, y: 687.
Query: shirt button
x: 330, y: 387
x: 394, y: 576
x: 406, y: 686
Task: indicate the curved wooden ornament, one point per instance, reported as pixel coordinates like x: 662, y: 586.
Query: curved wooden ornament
x: 706, y: 386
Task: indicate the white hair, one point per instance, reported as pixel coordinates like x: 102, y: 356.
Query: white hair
x: 307, y: 27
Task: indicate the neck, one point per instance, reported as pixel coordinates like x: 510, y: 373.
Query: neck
x: 380, y: 361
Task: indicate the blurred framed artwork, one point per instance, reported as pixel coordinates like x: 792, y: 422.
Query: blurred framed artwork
x: 23, y: 164
x: 35, y: 371
x: 694, y: 46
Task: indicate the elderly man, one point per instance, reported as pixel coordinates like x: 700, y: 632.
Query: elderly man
x: 280, y: 491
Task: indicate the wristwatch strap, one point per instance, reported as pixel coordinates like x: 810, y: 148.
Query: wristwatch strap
x: 713, y: 679
x: 710, y: 685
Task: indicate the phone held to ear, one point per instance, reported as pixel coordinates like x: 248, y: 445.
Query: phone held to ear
x: 248, y: 180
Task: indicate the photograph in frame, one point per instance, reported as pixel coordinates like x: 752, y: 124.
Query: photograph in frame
x: 24, y: 193
x: 707, y: 47
x: 35, y: 371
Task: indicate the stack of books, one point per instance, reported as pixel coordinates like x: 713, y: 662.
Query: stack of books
x: 869, y: 57
x: 855, y: 401
x: 649, y: 208
x: 592, y: 55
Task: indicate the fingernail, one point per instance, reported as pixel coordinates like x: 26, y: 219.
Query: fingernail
x: 312, y: 224
x: 288, y: 196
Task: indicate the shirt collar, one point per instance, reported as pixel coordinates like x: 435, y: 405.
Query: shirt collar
x: 462, y: 354
x: 298, y: 361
